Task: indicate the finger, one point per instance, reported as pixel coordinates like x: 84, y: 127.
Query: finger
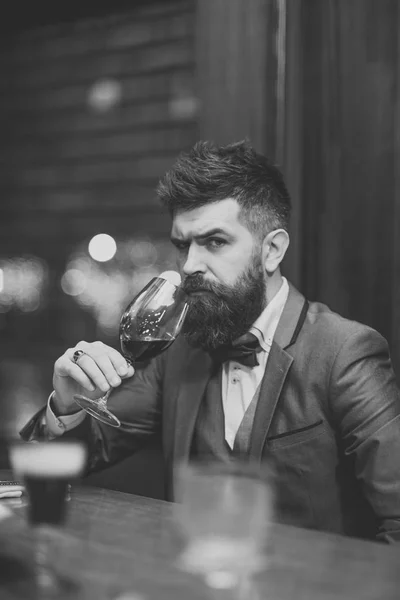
x: 102, y: 375
x: 67, y: 368
x: 113, y: 367
x: 107, y: 368
x: 122, y: 367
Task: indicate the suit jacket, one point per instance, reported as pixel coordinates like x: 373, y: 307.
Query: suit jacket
x: 328, y: 419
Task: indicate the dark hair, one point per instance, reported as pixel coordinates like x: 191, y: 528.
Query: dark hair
x: 208, y: 173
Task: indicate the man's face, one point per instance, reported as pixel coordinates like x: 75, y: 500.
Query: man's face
x: 220, y: 263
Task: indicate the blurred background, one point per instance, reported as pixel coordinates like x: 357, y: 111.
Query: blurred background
x: 96, y: 103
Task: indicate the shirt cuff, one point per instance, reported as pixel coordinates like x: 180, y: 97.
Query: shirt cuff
x: 56, y: 426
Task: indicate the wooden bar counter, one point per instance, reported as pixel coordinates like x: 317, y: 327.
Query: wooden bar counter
x: 122, y: 546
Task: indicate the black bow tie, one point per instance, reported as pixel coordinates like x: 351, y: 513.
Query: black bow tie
x: 243, y: 350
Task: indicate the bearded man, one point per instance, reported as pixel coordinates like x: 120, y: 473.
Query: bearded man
x: 259, y: 372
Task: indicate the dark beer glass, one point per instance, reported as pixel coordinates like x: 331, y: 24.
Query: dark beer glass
x: 46, y: 469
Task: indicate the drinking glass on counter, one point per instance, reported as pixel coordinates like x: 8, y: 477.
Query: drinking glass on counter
x: 148, y: 326
x: 223, y: 512
x: 47, y: 468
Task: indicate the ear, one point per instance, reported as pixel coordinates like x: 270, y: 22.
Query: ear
x: 274, y: 249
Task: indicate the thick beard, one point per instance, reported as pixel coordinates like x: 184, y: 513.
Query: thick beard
x: 225, y: 312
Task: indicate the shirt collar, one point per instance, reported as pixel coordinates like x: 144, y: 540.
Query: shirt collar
x: 265, y: 326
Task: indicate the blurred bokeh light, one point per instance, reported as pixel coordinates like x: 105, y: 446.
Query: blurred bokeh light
x: 104, y: 95
x: 102, y: 247
x: 23, y: 283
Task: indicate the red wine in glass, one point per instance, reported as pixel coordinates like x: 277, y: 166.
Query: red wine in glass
x: 141, y: 350
x: 148, y: 326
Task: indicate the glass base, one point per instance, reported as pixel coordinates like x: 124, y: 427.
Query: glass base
x: 97, y: 410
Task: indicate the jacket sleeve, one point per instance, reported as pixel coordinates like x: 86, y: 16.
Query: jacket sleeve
x: 365, y: 402
x: 137, y: 403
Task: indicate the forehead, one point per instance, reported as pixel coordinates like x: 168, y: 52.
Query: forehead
x: 223, y: 214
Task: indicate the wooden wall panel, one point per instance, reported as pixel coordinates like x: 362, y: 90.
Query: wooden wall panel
x: 57, y: 149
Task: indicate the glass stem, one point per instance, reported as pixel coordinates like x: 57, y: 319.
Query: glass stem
x: 102, y: 402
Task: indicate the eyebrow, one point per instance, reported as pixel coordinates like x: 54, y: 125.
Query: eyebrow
x: 203, y: 236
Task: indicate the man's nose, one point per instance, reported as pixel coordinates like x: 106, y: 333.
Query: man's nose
x: 193, y: 263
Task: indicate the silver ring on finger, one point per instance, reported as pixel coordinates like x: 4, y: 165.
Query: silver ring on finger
x: 77, y: 355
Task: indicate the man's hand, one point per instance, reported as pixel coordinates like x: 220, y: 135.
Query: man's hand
x: 95, y: 372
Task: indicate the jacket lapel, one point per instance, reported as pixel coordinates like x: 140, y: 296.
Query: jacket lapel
x: 197, y: 370
x: 278, y: 365
x: 277, y: 368
x: 292, y: 318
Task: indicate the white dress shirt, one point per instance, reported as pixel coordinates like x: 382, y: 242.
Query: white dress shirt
x: 239, y: 383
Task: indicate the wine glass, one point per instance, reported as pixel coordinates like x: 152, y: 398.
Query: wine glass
x: 46, y: 469
x: 148, y: 326
x: 224, y: 511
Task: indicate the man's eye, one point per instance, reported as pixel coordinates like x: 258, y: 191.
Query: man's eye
x: 215, y: 243
x: 181, y: 246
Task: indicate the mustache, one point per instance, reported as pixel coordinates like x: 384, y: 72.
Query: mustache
x: 197, y: 283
